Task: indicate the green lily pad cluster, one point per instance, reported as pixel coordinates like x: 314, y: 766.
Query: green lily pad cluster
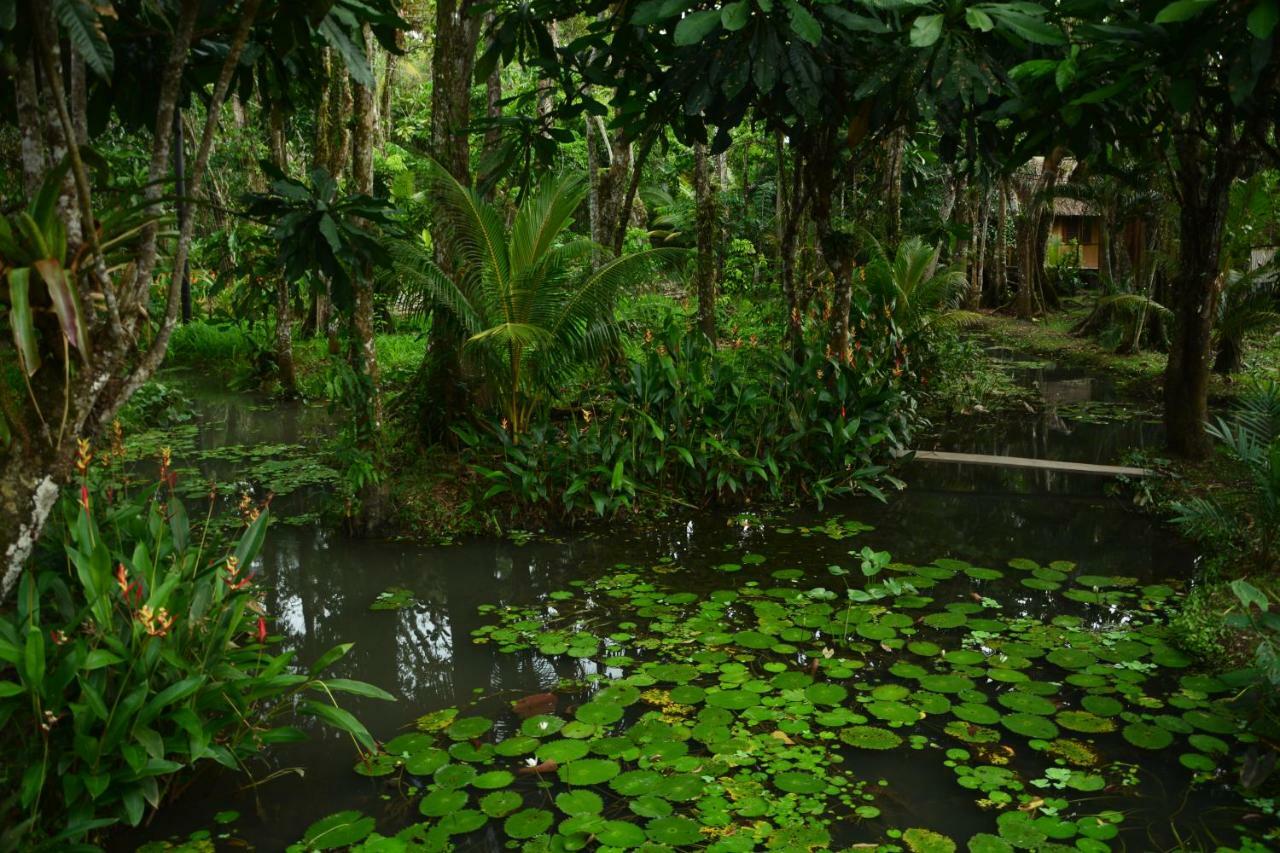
x: 747, y: 717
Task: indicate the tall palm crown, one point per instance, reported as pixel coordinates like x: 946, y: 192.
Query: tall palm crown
x: 527, y: 299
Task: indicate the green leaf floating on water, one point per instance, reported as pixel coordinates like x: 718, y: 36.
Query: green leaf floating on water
x: 579, y: 802
x: 870, y: 737
x: 528, y: 823
x: 733, y: 717
x: 799, y: 782
x: 927, y: 841
x: 1147, y: 735
x: 588, y: 771
x: 501, y: 803
x: 338, y: 830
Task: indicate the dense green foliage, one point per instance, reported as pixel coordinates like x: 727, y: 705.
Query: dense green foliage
x: 532, y: 265
x: 138, y: 650
x: 687, y: 423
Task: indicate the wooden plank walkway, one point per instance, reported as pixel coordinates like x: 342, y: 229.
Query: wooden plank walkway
x: 1024, y: 462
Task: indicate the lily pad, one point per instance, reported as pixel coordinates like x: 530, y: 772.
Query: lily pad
x: 528, y: 823
x: 1147, y: 736
x: 588, y: 771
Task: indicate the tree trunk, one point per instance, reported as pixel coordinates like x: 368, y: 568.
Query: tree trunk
x: 895, y: 147
x: 1202, y: 218
x: 441, y: 389
x: 384, y: 99
x: 633, y: 186
x: 285, y: 370
x: 184, y: 210
x: 790, y: 212
x: 1001, y: 254
x: 366, y: 353
x: 706, y: 231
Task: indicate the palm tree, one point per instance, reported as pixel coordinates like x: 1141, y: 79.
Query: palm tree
x: 911, y: 285
x: 530, y: 299
x: 1250, y: 301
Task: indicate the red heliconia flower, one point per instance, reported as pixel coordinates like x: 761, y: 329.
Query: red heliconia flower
x: 262, y: 630
x: 842, y: 411
x: 84, y: 497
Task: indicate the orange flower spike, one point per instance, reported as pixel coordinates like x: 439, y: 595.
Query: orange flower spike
x: 84, y: 455
x: 122, y: 579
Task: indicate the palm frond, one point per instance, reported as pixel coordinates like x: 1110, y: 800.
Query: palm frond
x: 543, y: 216
x: 415, y: 272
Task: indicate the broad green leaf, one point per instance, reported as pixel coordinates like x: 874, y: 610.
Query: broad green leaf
x: 352, y: 53
x: 80, y: 21
x: 359, y: 688
x: 1249, y: 594
x: 926, y: 30
x: 734, y: 16
x: 695, y: 27
x: 1032, y: 28
x: 1182, y: 10
x: 66, y: 303
x: 803, y: 24
x: 340, y: 719
x: 21, y: 321
x: 978, y: 20
x: 1263, y: 18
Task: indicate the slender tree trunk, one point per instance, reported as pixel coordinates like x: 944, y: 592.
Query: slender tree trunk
x: 384, y: 99
x: 1033, y: 233
x: 30, y: 119
x: 1204, y: 180
x: 895, y: 148
x: 284, y: 321
x: 1001, y: 256
x: 593, y: 185
x: 633, y: 186
x: 706, y: 231
x: 180, y: 188
x: 366, y: 352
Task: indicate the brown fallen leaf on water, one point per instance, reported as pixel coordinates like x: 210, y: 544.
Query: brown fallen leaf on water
x: 782, y: 736
x: 975, y: 597
x: 1032, y: 805
x: 532, y: 706
x: 813, y: 667
x: 544, y: 767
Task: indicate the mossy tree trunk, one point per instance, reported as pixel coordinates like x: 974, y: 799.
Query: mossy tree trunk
x: 706, y: 233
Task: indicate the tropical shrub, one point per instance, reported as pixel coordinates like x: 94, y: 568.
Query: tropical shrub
x: 1246, y: 522
x: 138, y: 649
x: 1261, y: 623
x: 910, y: 287
x: 529, y: 299
x: 684, y: 422
x: 1249, y: 302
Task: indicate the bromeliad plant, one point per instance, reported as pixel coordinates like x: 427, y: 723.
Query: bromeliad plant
x: 529, y: 299
x: 136, y: 652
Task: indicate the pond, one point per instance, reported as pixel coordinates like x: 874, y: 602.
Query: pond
x: 986, y: 666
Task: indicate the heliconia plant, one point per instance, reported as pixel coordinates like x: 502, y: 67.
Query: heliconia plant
x: 137, y: 650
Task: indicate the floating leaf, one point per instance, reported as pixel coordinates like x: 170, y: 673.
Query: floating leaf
x: 338, y: 830
x: 927, y: 841
x: 1147, y: 736
x: 588, y: 771
x: 528, y: 823
x: 796, y: 782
